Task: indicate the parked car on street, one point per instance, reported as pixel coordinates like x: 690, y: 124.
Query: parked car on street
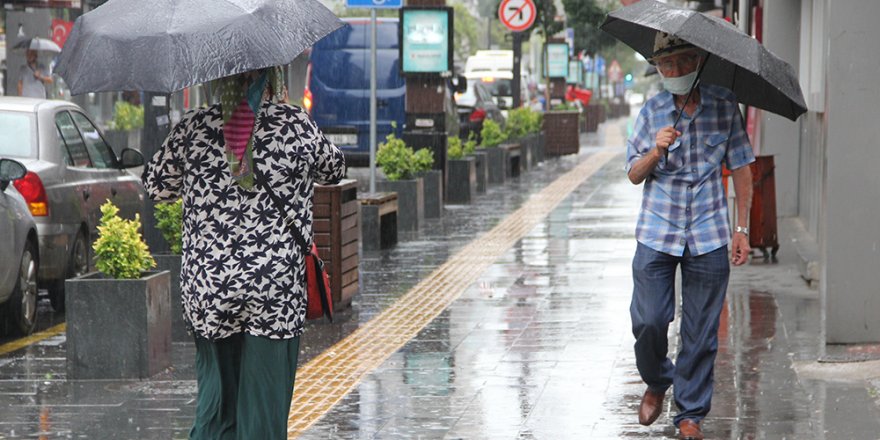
x: 500, y: 86
x: 72, y: 171
x: 476, y: 105
x: 19, y: 258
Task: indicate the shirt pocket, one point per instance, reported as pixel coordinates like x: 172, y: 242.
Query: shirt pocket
x: 716, y: 148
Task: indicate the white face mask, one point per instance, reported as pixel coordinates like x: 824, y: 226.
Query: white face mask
x: 680, y: 85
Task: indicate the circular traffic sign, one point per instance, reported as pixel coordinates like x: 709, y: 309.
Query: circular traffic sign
x: 517, y: 15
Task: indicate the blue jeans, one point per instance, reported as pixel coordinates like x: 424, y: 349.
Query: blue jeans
x: 704, y: 285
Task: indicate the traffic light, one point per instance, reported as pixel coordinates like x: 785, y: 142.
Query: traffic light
x: 628, y: 77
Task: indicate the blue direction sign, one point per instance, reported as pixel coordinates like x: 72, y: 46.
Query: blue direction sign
x: 374, y: 4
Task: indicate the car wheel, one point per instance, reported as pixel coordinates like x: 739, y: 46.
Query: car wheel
x: 23, y: 302
x: 77, y: 265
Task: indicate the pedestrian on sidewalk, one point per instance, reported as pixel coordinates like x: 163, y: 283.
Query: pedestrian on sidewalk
x: 684, y: 223
x: 243, y: 275
x: 33, y: 77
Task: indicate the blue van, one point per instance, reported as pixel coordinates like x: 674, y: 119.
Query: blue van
x: 337, y: 92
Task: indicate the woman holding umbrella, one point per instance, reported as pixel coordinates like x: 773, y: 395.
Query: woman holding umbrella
x: 245, y: 168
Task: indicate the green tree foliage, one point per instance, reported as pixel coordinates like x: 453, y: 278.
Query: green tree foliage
x: 585, y: 16
x: 169, y: 221
x: 465, y: 30
x: 120, y: 251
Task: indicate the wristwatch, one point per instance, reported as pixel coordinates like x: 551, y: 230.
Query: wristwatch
x: 742, y: 229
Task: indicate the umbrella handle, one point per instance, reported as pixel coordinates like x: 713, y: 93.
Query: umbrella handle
x: 690, y: 93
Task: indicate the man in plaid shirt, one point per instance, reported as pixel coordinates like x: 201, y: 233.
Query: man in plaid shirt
x: 683, y: 222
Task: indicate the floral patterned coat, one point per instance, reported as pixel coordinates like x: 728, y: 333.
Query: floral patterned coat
x: 238, y: 254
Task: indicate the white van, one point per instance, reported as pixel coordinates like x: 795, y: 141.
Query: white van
x: 489, y: 61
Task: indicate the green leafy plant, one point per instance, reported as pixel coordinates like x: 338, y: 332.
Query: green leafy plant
x: 127, y: 116
x: 471, y: 144
x: 169, y: 221
x: 564, y: 107
x: 521, y: 122
x: 396, y: 159
x: 423, y: 160
x: 454, y: 148
x: 120, y: 251
x: 491, y: 134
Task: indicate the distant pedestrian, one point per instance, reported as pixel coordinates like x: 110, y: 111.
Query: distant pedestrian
x: 683, y: 222
x: 243, y: 275
x: 33, y: 77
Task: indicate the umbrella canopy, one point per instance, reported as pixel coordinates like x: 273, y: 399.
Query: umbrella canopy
x: 38, y: 44
x: 737, y: 62
x: 166, y: 45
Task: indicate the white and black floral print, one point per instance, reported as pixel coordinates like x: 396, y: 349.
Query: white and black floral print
x: 237, y: 252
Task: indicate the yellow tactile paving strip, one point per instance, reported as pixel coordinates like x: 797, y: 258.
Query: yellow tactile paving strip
x: 32, y: 339
x: 327, y: 378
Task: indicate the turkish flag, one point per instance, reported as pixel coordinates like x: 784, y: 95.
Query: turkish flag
x: 60, y: 30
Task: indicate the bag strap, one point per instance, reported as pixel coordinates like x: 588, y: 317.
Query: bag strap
x: 297, y: 234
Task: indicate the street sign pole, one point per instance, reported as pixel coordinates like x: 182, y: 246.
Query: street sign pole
x: 517, y: 74
x: 372, y: 5
x: 518, y: 16
x: 372, y: 100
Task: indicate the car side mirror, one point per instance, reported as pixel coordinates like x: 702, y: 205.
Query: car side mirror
x: 460, y: 83
x: 10, y: 170
x: 131, y: 158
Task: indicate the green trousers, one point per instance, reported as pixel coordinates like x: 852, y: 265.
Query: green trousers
x: 245, y: 387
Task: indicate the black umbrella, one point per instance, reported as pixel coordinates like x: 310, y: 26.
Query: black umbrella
x: 166, y: 45
x: 737, y: 61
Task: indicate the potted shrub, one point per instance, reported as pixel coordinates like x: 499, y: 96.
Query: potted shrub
x: 561, y: 130
x: 124, y: 130
x: 496, y: 159
x: 398, y: 163
x: 517, y: 129
x: 118, y: 319
x: 462, y: 173
x: 481, y: 158
x: 169, y: 222
x: 432, y: 179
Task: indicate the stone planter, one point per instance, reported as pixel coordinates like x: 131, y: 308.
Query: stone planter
x: 172, y: 263
x: 118, y: 329
x: 410, y: 201
x: 482, y: 169
x: 462, y: 187
x: 496, y: 163
x: 433, y: 181
x: 539, y: 147
x: 562, y: 133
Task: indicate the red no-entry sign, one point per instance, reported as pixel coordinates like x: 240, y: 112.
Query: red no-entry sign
x: 517, y: 15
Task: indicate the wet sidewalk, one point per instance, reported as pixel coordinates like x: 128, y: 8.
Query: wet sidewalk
x: 506, y: 319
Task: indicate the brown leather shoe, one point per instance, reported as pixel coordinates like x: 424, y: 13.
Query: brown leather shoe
x: 689, y: 430
x: 651, y: 407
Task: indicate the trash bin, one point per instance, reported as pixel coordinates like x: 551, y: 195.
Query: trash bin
x: 762, y: 218
x: 337, y: 234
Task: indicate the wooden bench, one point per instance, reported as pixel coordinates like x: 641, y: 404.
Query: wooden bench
x: 379, y: 220
x: 337, y: 232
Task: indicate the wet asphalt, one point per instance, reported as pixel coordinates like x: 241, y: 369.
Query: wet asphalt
x: 538, y: 348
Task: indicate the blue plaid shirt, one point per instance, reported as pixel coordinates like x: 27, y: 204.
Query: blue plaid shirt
x: 683, y: 202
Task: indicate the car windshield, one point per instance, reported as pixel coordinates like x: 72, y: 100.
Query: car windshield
x: 498, y: 86
x: 17, y: 134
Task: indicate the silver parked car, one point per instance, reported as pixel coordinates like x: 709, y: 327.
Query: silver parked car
x: 72, y: 171
x: 18, y: 254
